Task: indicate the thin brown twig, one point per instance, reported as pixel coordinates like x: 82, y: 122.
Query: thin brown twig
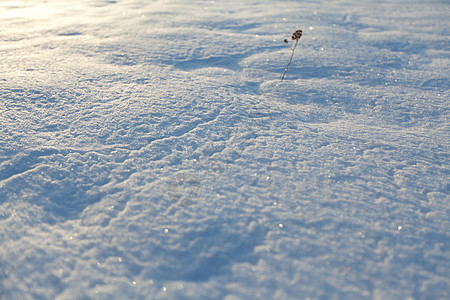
x: 295, y: 37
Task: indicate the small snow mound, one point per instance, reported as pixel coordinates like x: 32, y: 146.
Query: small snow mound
x: 320, y: 98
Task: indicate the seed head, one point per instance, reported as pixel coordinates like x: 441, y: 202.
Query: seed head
x: 297, y: 35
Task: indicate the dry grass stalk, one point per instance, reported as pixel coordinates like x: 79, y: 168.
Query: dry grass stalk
x: 295, y: 37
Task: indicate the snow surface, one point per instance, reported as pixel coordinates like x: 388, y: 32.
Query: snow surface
x: 150, y: 150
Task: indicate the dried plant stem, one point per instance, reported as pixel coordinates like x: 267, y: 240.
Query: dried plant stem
x: 290, y: 60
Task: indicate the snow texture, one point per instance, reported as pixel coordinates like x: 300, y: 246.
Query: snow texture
x: 150, y: 150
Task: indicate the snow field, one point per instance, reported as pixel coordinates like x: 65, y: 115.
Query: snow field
x: 149, y: 150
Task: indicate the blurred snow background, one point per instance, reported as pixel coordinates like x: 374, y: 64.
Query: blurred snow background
x: 149, y: 150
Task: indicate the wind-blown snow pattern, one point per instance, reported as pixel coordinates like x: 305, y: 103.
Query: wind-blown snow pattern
x: 150, y: 150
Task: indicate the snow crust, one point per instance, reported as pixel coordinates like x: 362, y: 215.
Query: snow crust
x: 150, y: 150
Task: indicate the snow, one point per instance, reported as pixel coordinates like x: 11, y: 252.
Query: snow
x: 150, y: 150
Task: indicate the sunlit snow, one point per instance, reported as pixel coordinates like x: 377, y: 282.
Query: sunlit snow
x: 150, y: 150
